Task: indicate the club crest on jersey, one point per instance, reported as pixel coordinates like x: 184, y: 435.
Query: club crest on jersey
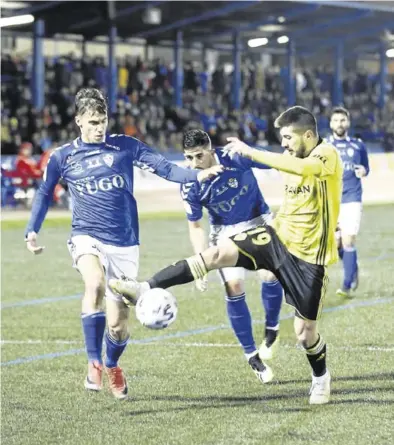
x: 350, y: 152
x: 233, y: 183
x: 108, y: 159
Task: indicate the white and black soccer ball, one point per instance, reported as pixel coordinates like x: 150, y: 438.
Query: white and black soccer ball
x: 156, y: 309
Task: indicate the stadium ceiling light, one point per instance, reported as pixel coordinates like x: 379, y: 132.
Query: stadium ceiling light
x: 16, y: 20
x: 260, y: 41
x: 13, y: 5
x: 281, y: 19
x: 390, y: 53
x: 282, y: 39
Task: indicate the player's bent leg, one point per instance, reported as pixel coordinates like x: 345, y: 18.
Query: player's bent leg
x: 241, y: 321
x: 315, y: 348
x: 116, y: 339
x: 271, y: 295
x: 93, y: 317
x: 225, y: 254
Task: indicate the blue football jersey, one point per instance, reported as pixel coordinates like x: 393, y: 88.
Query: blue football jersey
x: 353, y: 152
x: 231, y: 197
x: 100, y: 181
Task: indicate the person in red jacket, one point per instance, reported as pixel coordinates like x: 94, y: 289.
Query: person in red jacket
x: 26, y: 168
x: 59, y: 192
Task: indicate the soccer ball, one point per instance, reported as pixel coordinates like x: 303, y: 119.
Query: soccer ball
x: 156, y: 309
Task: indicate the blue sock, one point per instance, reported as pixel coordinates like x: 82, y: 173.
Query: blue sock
x: 241, y: 321
x: 272, y: 295
x: 114, y: 349
x: 349, y: 266
x: 93, y: 329
x: 340, y: 252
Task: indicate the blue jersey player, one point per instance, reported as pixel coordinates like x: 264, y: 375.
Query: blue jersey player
x: 234, y: 203
x: 104, y: 239
x: 355, y: 166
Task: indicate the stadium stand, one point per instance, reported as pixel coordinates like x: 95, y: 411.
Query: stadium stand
x: 145, y: 110
x: 147, y: 79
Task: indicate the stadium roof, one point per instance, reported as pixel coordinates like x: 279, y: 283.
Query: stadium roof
x: 313, y: 25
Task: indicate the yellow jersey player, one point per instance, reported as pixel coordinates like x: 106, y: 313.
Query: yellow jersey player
x: 296, y: 248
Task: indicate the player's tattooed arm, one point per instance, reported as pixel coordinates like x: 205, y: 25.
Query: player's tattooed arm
x: 303, y: 167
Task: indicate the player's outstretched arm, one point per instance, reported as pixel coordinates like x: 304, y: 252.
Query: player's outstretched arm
x: 41, y: 203
x: 288, y: 164
x: 159, y: 165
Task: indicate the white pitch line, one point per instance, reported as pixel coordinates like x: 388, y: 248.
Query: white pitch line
x: 41, y: 342
x: 196, y: 345
x: 233, y: 345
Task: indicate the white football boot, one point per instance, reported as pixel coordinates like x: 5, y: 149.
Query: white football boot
x: 263, y: 372
x: 270, y: 344
x: 320, y: 389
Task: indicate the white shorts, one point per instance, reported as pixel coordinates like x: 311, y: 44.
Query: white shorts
x: 221, y: 232
x: 349, y: 219
x: 116, y: 261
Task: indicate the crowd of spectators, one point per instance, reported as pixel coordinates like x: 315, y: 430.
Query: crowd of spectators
x: 145, y: 102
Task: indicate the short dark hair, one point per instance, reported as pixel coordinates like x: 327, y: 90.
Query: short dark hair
x: 340, y: 110
x: 90, y: 99
x: 299, y: 117
x: 195, y: 138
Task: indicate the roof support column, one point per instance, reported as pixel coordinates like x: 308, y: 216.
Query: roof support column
x: 38, y: 72
x: 178, y: 69
x: 112, y: 71
x: 236, y: 85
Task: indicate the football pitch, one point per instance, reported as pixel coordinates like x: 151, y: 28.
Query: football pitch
x: 190, y: 384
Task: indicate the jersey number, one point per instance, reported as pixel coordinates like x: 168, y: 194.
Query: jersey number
x: 262, y: 236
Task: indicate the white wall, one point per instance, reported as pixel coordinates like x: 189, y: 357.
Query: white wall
x: 51, y: 48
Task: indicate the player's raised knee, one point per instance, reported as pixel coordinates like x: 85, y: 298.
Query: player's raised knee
x: 225, y: 254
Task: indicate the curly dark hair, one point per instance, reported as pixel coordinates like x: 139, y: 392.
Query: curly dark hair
x: 196, y: 138
x: 90, y: 99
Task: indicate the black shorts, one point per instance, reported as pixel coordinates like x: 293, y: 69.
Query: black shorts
x: 304, y: 283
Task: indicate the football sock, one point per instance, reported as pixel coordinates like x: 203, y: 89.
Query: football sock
x: 340, y: 252
x: 271, y: 335
x: 316, y: 355
x: 93, y: 329
x: 181, y: 272
x: 241, y: 321
x: 271, y: 294
x: 114, y: 349
x: 349, y: 266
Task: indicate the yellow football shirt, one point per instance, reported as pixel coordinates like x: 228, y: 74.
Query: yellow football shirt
x: 308, y: 216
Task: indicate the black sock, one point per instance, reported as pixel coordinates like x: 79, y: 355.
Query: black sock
x: 316, y: 355
x: 182, y: 272
x: 270, y: 336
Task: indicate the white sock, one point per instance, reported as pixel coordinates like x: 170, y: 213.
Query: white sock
x: 252, y: 354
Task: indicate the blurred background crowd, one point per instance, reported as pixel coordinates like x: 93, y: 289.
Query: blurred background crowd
x: 145, y: 108
x: 145, y: 102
